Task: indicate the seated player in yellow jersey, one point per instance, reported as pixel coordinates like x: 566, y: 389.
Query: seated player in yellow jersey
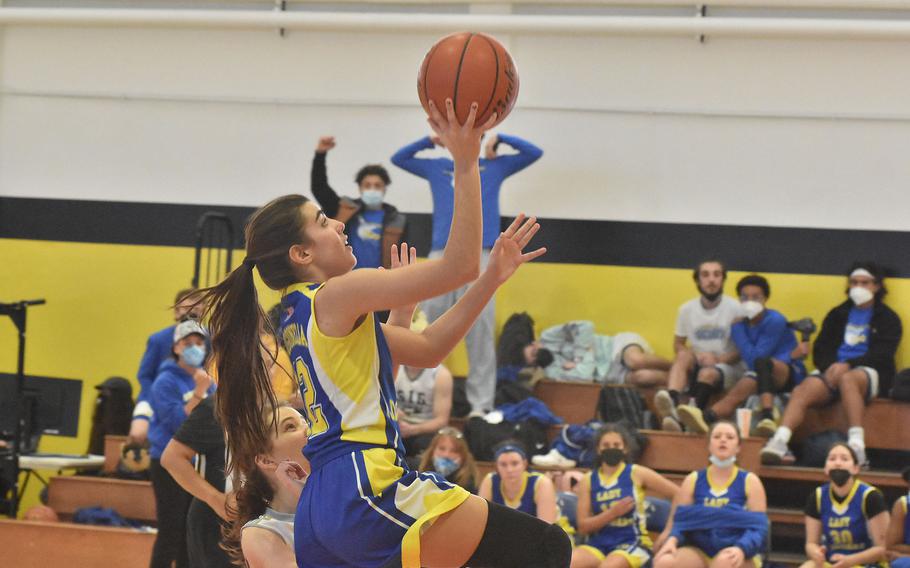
x: 611, y: 504
x: 361, y: 505
x: 513, y: 486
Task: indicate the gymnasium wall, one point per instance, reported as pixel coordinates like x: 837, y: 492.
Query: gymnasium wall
x: 782, y: 156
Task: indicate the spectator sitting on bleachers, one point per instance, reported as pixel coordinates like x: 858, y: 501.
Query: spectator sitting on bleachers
x: 772, y: 356
x: 720, y: 519
x: 449, y: 456
x: 854, y: 361
x: 513, y: 486
x: 424, y: 400
x: 710, y: 358
x: 580, y: 354
x: 846, y: 519
x: 611, y: 504
x: 267, y: 487
x: 898, y: 537
x: 157, y: 351
x: 195, y: 459
x: 180, y: 386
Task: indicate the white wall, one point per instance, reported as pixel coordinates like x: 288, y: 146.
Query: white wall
x: 767, y: 132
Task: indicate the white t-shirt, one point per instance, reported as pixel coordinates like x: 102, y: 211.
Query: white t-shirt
x: 708, y: 331
x: 415, y: 396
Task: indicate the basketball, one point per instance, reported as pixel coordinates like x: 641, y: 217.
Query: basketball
x: 469, y: 67
x: 41, y: 513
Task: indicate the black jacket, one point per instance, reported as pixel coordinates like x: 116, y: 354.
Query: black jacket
x: 884, y: 335
x: 346, y: 209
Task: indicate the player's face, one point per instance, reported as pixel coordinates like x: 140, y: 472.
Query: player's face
x: 839, y: 458
x: 866, y: 282
x: 192, y: 339
x: 327, y: 246
x: 186, y: 309
x: 710, y: 278
x: 292, y: 434
x: 510, y: 465
x: 724, y: 441
x: 611, y: 440
x: 447, y: 448
x: 372, y: 181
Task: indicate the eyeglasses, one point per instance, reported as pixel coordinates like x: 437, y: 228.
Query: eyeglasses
x: 450, y: 431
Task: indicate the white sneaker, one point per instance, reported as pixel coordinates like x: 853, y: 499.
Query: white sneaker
x: 670, y: 424
x: 860, y: 451
x: 664, y: 405
x: 553, y: 459
x: 773, y: 453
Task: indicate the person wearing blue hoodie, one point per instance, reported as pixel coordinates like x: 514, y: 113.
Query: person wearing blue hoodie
x: 157, y: 351
x: 181, y: 384
x: 439, y: 172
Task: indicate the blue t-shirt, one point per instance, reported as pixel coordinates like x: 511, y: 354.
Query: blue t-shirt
x: 771, y: 337
x: 367, y: 239
x: 856, y: 334
x: 172, y: 389
x: 440, y: 173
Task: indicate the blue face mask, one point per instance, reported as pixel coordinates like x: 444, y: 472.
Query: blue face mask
x: 372, y: 198
x: 445, y: 466
x: 193, y: 355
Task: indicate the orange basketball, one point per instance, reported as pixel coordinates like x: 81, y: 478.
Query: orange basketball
x: 469, y: 67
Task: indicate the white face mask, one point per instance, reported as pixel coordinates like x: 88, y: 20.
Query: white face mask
x: 722, y: 463
x: 860, y: 295
x: 372, y: 198
x: 752, y: 308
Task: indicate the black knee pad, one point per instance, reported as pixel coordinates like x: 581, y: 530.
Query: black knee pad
x: 515, y: 539
x: 764, y: 368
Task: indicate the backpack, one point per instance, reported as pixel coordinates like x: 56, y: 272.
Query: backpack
x: 623, y: 404
x: 900, y: 390
x: 816, y: 447
x: 482, y: 437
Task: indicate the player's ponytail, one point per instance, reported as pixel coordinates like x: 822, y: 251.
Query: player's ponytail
x: 246, y: 401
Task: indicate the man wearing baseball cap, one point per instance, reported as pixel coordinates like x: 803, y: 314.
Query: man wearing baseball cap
x: 182, y: 383
x: 854, y: 360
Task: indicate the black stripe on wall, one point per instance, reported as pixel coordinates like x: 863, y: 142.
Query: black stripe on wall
x: 659, y: 245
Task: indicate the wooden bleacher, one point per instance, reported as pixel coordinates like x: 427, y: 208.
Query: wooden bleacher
x: 29, y: 544
x: 132, y: 499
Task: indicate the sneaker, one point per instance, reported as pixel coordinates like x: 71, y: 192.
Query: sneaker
x: 664, y: 405
x: 553, y: 459
x: 693, y: 419
x: 670, y: 424
x: 774, y: 452
x: 765, y: 428
x: 860, y: 451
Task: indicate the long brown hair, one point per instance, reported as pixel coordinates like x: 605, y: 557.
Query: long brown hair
x: 246, y: 401
x: 251, y: 497
x: 466, y: 476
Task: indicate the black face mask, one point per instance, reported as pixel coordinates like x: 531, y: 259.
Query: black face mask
x: 839, y: 477
x: 612, y: 456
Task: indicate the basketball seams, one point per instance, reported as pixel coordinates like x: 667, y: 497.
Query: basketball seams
x: 464, y: 51
x: 495, y: 75
x: 426, y: 73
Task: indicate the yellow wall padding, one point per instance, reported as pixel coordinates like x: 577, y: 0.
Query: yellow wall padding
x: 105, y: 300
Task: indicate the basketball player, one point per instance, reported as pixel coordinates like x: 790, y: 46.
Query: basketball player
x: 361, y: 506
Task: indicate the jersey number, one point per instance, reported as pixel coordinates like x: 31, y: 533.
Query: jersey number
x: 314, y: 416
x: 841, y: 538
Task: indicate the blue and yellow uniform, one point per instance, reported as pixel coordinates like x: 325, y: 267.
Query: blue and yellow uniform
x: 733, y: 494
x: 903, y: 561
x: 525, y: 502
x: 844, y: 524
x: 627, y: 535
x: 361, y: 505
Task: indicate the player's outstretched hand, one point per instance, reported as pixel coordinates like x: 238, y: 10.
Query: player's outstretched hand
x: 462, y: 140
x: 507, y: 254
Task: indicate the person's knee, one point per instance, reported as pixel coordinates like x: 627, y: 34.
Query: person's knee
x: 665, y: 561
x: 634, y: 358
x: 512, y: 538
x: 709, y: 375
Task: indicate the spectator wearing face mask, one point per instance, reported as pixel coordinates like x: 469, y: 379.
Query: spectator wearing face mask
x: 772, y: 356
x: 157, y: 351
x: 449, y: 456
x: 371, y: 224
x: 182, y: 383
x: 854, y: 360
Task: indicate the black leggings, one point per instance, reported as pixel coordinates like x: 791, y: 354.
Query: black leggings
x: 515, y: 539
x: 172, y: 504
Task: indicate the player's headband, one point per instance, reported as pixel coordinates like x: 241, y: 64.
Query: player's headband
x: 862, y: 272
x: 510, y: 448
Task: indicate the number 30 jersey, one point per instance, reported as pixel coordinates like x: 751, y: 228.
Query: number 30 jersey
x: 345, y: 382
